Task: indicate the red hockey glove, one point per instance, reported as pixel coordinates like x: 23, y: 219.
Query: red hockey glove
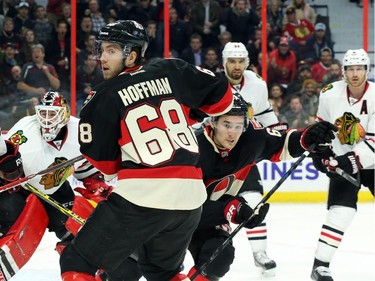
x: 320, y: 133
x: 95, y: 188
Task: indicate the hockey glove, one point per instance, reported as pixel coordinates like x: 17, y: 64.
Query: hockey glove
x: 348, y: 162
x: 237, y: 210
x: 320, y: 133
x: 321, y: 160
x: 95, y: 188
x: 11, y: 163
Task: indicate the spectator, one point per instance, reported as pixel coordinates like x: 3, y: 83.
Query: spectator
x: 275, y: 16
x: 303, y: 73
x: 154, y: 48
x: 43, y: 28
x: 7, y: 9
x: 144, y: 12
x: 66, y: 13
x: 298, y: 30
x: 316, y: 43
x: 96, y: 16
x: 85, y: 28
x: 240, y: 22
x: 294, y: 114
x: 7, y: 62
x: 89, y: 43
x: 211, y: 61
x: 194, y: 54
x: 224, y: 38
x: 277, y: 99
x: 179, y: 32
x: 59, y: 53
x: 117, y: 9
x: 88, y: 75
x: 310, y: 98
x: 37, y: 77
x: 335, y: 73
x: 283, y: 63
x: 22, y: 19
x: 303, y: 10
x: 8, y: 35
x: 29, y: 41
x: 205, y: 20
x: 321, y: 68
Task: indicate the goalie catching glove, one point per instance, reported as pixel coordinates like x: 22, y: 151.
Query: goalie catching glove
x: 237, y: 210
x: 320, y: 133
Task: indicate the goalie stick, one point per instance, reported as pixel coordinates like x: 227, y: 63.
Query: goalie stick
x: 42, y: 172
x: 242, y: 224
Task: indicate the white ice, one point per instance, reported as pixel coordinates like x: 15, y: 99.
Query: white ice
x: 293, y: 231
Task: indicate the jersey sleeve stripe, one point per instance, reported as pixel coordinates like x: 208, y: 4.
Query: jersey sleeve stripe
x: 184, y: 172
x: 222, y: 106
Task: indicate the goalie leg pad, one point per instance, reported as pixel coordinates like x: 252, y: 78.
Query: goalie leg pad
x: 22, y: 239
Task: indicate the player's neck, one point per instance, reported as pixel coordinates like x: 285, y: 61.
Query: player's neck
x: 357, y: 92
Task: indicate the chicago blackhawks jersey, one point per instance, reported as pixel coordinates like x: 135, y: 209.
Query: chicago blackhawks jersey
x: 37, y: 154
x: 254, y: 90
x: 226, y: 172
x: 354, y: 118
x: 138, y: 126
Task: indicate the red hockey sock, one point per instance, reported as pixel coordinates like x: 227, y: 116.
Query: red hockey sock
x: 77, y: 276
x: 200, y: 277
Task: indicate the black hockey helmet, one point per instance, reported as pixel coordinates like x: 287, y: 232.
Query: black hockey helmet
x: 127, y: 33
x: 240, y: 108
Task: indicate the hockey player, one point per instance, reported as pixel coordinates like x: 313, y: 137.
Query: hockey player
x: 230, y: 148
x: 137, y: 125
x: 254, y: 90
x: 353, y: 151
x: 49, y: 137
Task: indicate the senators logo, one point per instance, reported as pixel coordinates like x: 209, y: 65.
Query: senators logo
x: 18, y: 138
x: 220, y: 187
x: 58, y: 176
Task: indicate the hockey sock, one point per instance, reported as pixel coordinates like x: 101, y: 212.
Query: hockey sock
x: 338, y: 220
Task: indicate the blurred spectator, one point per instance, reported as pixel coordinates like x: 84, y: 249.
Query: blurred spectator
x: 294, y: 114
x: 194, y: 54
x: 205, y: 20
x: 240, y: 21
x: 321, y: 68
x: 37, y: 77
x: 303, y: 73
x: 7, y: 8
x: 117, y: 9
x: 298, y: 30
x: 89, y: 43
x: 22, y: 19
x: 211, y: 61
x: 224, y: 38
x: 29, y: 41
x: 310, y: 98
x: 154, y: 48
x: 144, y: 12
x: 66, y: 14
x: 43, y: 28
x: 283, y: 63
x: 88, y: 75
x: 179, y: 32
x: 254, y: 46
x: 54, y: 10
x: 8, y: 35
x: 335, y: 73
x: 96, y: 16
x: 275, y: 16
x: 315, y: 43
x: 15, y: 77
x: 7, y: 62
x: 277, y: 98
x: 59, y: 53
x: 85, y: 28
x: 303, y: 10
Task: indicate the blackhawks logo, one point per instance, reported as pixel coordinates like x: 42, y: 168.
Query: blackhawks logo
x: 55, y: 178
x: 327, y: 87
x: 350, y: 130
x: 18, y: 138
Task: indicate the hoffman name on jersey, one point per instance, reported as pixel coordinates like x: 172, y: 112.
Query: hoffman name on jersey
x: 146, y: 89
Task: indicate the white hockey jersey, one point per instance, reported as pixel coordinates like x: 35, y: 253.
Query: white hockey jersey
x: 37, y: 154
x: 254, y: 90
x: 334, y: 102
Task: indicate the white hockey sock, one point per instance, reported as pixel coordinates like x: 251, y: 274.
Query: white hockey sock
x: 257, y: 238
x: 338, y: 220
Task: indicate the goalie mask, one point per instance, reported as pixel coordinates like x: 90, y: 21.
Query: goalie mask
x: 356, y: 57
x: 53, y: 114
x: 128, y: 34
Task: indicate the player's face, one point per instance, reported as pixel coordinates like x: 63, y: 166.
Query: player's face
x: 111, y: 60
x: 235, y: 68
x: 356, y: 75
x: 228, y: 130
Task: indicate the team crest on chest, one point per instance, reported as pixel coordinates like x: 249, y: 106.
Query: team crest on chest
x: 349, y: 129
x: 58, y: 176
x: 18, y: 138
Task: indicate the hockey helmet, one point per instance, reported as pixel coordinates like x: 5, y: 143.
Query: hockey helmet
x: 240, y: 108
x: 127, y: 33
x: 356, y: 57
x: 53, y: 114
x: 235, y: 50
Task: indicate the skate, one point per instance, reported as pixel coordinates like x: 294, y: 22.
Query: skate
x: 321, y: 273
x: 267, y: 265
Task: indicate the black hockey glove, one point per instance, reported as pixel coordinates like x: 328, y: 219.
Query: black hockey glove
x: 348, y: 162
x: 320, y: 133
x: 237, y: 210
x: 321, y: 160
x: 11, y: 163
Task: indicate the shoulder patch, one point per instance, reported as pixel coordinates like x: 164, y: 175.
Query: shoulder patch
x: 327, y: 87
x: 258, y: 76
x: 18, y: 138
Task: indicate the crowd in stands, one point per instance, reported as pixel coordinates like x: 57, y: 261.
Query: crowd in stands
x: 35, y: 47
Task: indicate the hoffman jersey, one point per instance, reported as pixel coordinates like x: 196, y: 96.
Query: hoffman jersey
x: 37, y: 154
x: 254, y: 90
x: 336, y: 107
x: 138, y: 126
x: 226, y: 172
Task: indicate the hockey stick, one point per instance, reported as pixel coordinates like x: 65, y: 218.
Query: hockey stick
x: 349, y: 178
x: 54, y: 203
x: 242, y: 224
x: 42, y: 172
